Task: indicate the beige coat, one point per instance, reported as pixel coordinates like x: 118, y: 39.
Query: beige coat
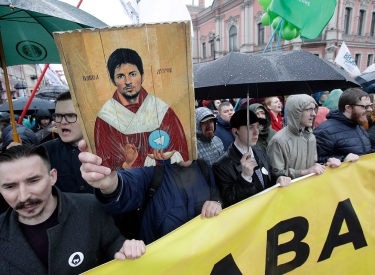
x: 293, y: 149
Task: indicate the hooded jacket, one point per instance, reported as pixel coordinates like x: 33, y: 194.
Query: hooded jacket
x: 41, y: 113
x: 209, y: 149
x: 293, y: 149
x: 224, y: 132
x: 267, y: 132
x: 338, y: 136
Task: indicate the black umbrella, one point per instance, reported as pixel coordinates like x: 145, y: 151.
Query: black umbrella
x: 268, y: 74
x: 51, y: 92
x: 36, y: 103
x: 366, y: 80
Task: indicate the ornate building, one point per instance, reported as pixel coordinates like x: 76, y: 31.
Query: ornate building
x: 235, y: 25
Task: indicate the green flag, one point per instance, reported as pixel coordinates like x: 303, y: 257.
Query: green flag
x: 310, y: 16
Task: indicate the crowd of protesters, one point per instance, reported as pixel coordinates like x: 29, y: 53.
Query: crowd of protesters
x: 49, y: 176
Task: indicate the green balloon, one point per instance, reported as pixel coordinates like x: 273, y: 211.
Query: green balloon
x: 266, y: 20
x: 265, y: 3
x: 289, y: 32
x: 275, y: 22
x: 298, y: 32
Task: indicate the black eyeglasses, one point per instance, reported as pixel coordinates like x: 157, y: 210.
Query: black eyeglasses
x: 310, y: 110
x: 364, y: 106
x: 70, y: 118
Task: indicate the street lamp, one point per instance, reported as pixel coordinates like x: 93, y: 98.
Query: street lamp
x: 212, y: 42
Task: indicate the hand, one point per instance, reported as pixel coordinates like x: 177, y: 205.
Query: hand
x: 131, y: 249
x: 351, y: 158
x: 316, y: 169
x: 210, y: 209
x: 247, y: 165
x: 93, y: 173
x: 284, y: 181
x: 333, y: 162
x: 159, y: 155
x: 130, y: 152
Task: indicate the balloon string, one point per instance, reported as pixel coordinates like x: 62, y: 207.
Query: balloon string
x: 280, y: 33
x: 273, y: 34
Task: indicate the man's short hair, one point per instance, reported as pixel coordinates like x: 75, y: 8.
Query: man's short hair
x: 222, y: 104
x: 25, y: 151
x: 64, y: 96
x: 123, y: 56
x: 351, y: 96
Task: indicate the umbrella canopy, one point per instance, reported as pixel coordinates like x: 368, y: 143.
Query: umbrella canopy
x: 268, y: 74
x: 366, y: 80
x: 51, y: 92
x: 36, y: 103
x: 27, y: 29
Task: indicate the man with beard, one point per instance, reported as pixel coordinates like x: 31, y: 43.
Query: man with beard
x: 46, y: 231
x: 243, y: 171
x: 342, y: 135
x: 292, y: 150
x: 133, y: 124
x: 223, y: 129
x: 209, y: 146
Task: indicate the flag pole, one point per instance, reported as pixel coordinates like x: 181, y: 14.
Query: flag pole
x: 16, y: 137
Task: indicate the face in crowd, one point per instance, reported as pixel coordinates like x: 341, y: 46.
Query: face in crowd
x: 275, y: 106
x: 308, y: 115
x: 45, y: 121
x: 360, y: 110
x: 208, y: 128
x: 226, y: 112
x: 241, y: 134
x: 67, y: 123
x: 128, y: 81
x: 26, y: 185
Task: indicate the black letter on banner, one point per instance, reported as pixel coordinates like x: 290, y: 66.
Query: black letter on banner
x: 300, y: 227
x: 344, y: 211
x: 225, y: 266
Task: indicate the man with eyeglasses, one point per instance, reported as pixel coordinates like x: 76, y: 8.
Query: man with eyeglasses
x: 244, y: 170
x: 292, y: 150
x: 342, y: 135
x: 63, y: 151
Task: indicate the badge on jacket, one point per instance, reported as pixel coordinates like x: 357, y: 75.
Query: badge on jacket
x: 264, y: 171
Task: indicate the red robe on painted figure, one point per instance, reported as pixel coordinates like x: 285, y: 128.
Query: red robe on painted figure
x: 136, y: 121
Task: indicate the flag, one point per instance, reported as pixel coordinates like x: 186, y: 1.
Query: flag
x: 51, y: 76
x: 345, y: 60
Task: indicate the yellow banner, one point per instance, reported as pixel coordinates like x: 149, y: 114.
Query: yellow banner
x: 319, y: 225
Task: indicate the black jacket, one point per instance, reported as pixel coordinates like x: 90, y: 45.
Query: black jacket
x: 338, y: 136
x: 64, y: 158
x: 233, y: 187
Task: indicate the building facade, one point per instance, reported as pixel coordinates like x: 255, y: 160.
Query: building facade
x: 235, y: 25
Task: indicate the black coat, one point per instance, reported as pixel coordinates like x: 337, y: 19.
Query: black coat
x: 338, y: 136
x: 233, y: 187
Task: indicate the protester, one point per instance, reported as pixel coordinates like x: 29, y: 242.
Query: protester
x: 342, y: 135
x: 214, y: 106
x: 265, y: 132
x: 333, y: 99
x: 321, y: 115
x: 184, y: 191
x: 43, y: 125
x: 49, y: 232
x: 63, y: 151
x: 274, y: 106
x: 223, y: 129
x: 292, y: 150
x: 209, y: 146
x: 244, y: 171
x: 320, y: 97
x: 26, y: 136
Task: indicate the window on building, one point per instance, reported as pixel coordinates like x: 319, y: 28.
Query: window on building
x: 347, y: 20
x: 261, y: 34
x: 358, y: 60
x: 212, y: 46
x: 372, y: 29
x: 204, y: 49
x: 360, y: 22
x: 233, y: 39
x: 370, y: 59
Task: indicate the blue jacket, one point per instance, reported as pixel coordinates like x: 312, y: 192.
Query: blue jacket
x: 224, y: 132
x: 179, y: 198
x: 338, y: 136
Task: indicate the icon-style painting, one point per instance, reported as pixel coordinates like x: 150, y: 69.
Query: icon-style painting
x: 133, y: 92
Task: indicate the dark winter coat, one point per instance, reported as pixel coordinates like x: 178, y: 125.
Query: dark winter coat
x: 338, y: 136
x: 179, y: 198
x: 224, y: 132
x: 83, y: 227
x: 41, y: 113
x: 26, y: 135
